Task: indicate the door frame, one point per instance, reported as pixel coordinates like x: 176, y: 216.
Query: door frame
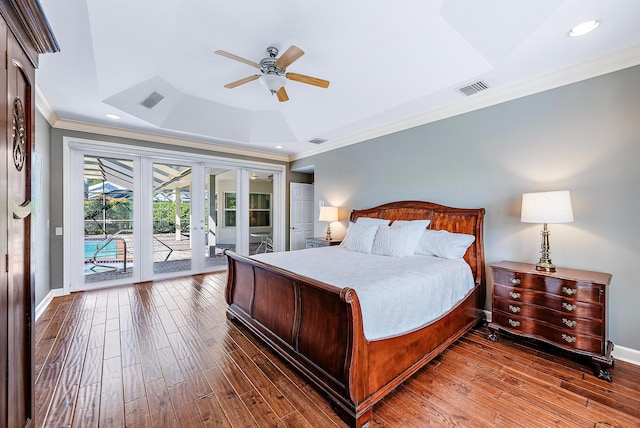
x: 199, y: 161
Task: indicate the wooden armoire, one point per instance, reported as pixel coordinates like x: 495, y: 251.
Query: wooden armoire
x: 24, y: 34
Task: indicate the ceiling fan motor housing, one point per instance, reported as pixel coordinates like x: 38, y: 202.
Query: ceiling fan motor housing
x: 268, y: 66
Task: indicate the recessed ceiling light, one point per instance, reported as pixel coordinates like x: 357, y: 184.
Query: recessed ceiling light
x: 279, y: 147
x: 112, y: 116
x: 584, y: 28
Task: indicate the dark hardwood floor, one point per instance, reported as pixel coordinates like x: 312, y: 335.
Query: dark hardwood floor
x: 163, y: 354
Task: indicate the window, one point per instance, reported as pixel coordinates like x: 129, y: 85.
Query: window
x: 229, y: 209
x: 259, y: 209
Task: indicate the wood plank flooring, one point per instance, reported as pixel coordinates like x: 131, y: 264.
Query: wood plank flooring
x: 163, y: 354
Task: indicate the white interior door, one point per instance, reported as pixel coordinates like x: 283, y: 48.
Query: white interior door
x: 300, y: 215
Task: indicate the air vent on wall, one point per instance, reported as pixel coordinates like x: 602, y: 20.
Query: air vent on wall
x: 152, y: 100
x: 317, y: 141
x: 473, y: 88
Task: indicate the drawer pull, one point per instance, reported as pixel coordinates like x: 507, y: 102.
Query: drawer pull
x: 514, y: 309
x: 569, y: 323
x: 515, y: 281
x: 569, y: 291
x: 568, y: 339
x: 569, y: 306
x: 514, y: 295
x: 514, y: 323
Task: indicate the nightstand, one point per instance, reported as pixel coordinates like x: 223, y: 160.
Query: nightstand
x: 566, y: 308
x: 321, y: 242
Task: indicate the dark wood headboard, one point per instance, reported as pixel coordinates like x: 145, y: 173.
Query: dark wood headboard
x: 457, y: 220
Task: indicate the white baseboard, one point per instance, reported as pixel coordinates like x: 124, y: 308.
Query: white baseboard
x: 621, y: 353
x: 627, y: 355
x: 56, y: 292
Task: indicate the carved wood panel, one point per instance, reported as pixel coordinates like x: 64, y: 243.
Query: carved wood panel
x: 20, y: 287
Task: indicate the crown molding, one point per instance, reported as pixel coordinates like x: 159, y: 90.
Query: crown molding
x: 607, y: 64
x: 72, y: 125
x: 44, y: 106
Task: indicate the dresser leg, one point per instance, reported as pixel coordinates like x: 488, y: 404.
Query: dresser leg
x: 493, y: 337
x: 602, y: 365
x: 604, y: 375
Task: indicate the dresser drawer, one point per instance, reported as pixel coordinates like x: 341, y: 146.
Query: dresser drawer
x: 551, y: 301
x: 564, y: 338
x: 585, y: 292
x: 563, y: 320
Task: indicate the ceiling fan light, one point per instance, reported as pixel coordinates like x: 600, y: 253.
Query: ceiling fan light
x: 273, y: 82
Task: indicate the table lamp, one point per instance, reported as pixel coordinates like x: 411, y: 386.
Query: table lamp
x: 328, y: 214
x: 546, y: 207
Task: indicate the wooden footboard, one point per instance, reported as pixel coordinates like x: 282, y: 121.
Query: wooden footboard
x: 314, y: 326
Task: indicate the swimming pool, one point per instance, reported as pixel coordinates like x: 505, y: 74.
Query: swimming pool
x: 109, y: 252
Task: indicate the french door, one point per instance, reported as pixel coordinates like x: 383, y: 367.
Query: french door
x: 139, y: 215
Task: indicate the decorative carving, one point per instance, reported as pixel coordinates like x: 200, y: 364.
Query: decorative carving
x: 18, y: 135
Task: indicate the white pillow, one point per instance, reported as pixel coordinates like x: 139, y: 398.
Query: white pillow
x: 424, y: 223
x: 409, y: 237
x: 359, y: 237
x: 372, y: 221
x: 442, y: 243
x: 399, y: 241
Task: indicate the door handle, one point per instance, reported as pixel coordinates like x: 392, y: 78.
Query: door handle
x: 22, y: 211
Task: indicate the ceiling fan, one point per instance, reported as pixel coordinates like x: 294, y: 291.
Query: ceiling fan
x: 274, y: 71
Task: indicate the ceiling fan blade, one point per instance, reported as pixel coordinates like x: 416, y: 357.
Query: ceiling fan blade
x: 241, y: 81
x: 308, y: 79
x: 282, y: 95
x: 237, y: 58
x: 289, y: 56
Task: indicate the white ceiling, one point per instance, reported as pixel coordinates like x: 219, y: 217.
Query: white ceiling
x: 391, y: 64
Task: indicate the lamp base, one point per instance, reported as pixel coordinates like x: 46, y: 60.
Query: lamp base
x: 328, y: 235
x: 545, y: 266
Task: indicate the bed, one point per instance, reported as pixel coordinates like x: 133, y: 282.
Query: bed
x: 319, y: 328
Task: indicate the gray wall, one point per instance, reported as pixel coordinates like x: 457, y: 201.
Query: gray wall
x: 583, y: 137
x: 40, y: 174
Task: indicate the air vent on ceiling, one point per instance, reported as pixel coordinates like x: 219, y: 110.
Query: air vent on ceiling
x: 152, y: 100
x: 473, y: 88
x: 318, y: 141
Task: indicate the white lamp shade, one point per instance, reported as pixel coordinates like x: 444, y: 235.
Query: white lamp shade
x: 547, y: 207
x: 272, y: 82
x: 328, y: 214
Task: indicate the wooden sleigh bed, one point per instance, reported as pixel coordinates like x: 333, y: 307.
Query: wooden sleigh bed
x: 318, y: 327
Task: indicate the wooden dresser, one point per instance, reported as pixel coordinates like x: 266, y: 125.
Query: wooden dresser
x: 566, y: 308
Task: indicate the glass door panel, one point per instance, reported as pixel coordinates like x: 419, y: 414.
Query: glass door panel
x: 260, y: 212
x: 220, y: 216
x: 171, y: 201
x: 109, y: 252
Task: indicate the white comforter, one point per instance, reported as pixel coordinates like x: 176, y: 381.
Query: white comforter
x: 396, y: 295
